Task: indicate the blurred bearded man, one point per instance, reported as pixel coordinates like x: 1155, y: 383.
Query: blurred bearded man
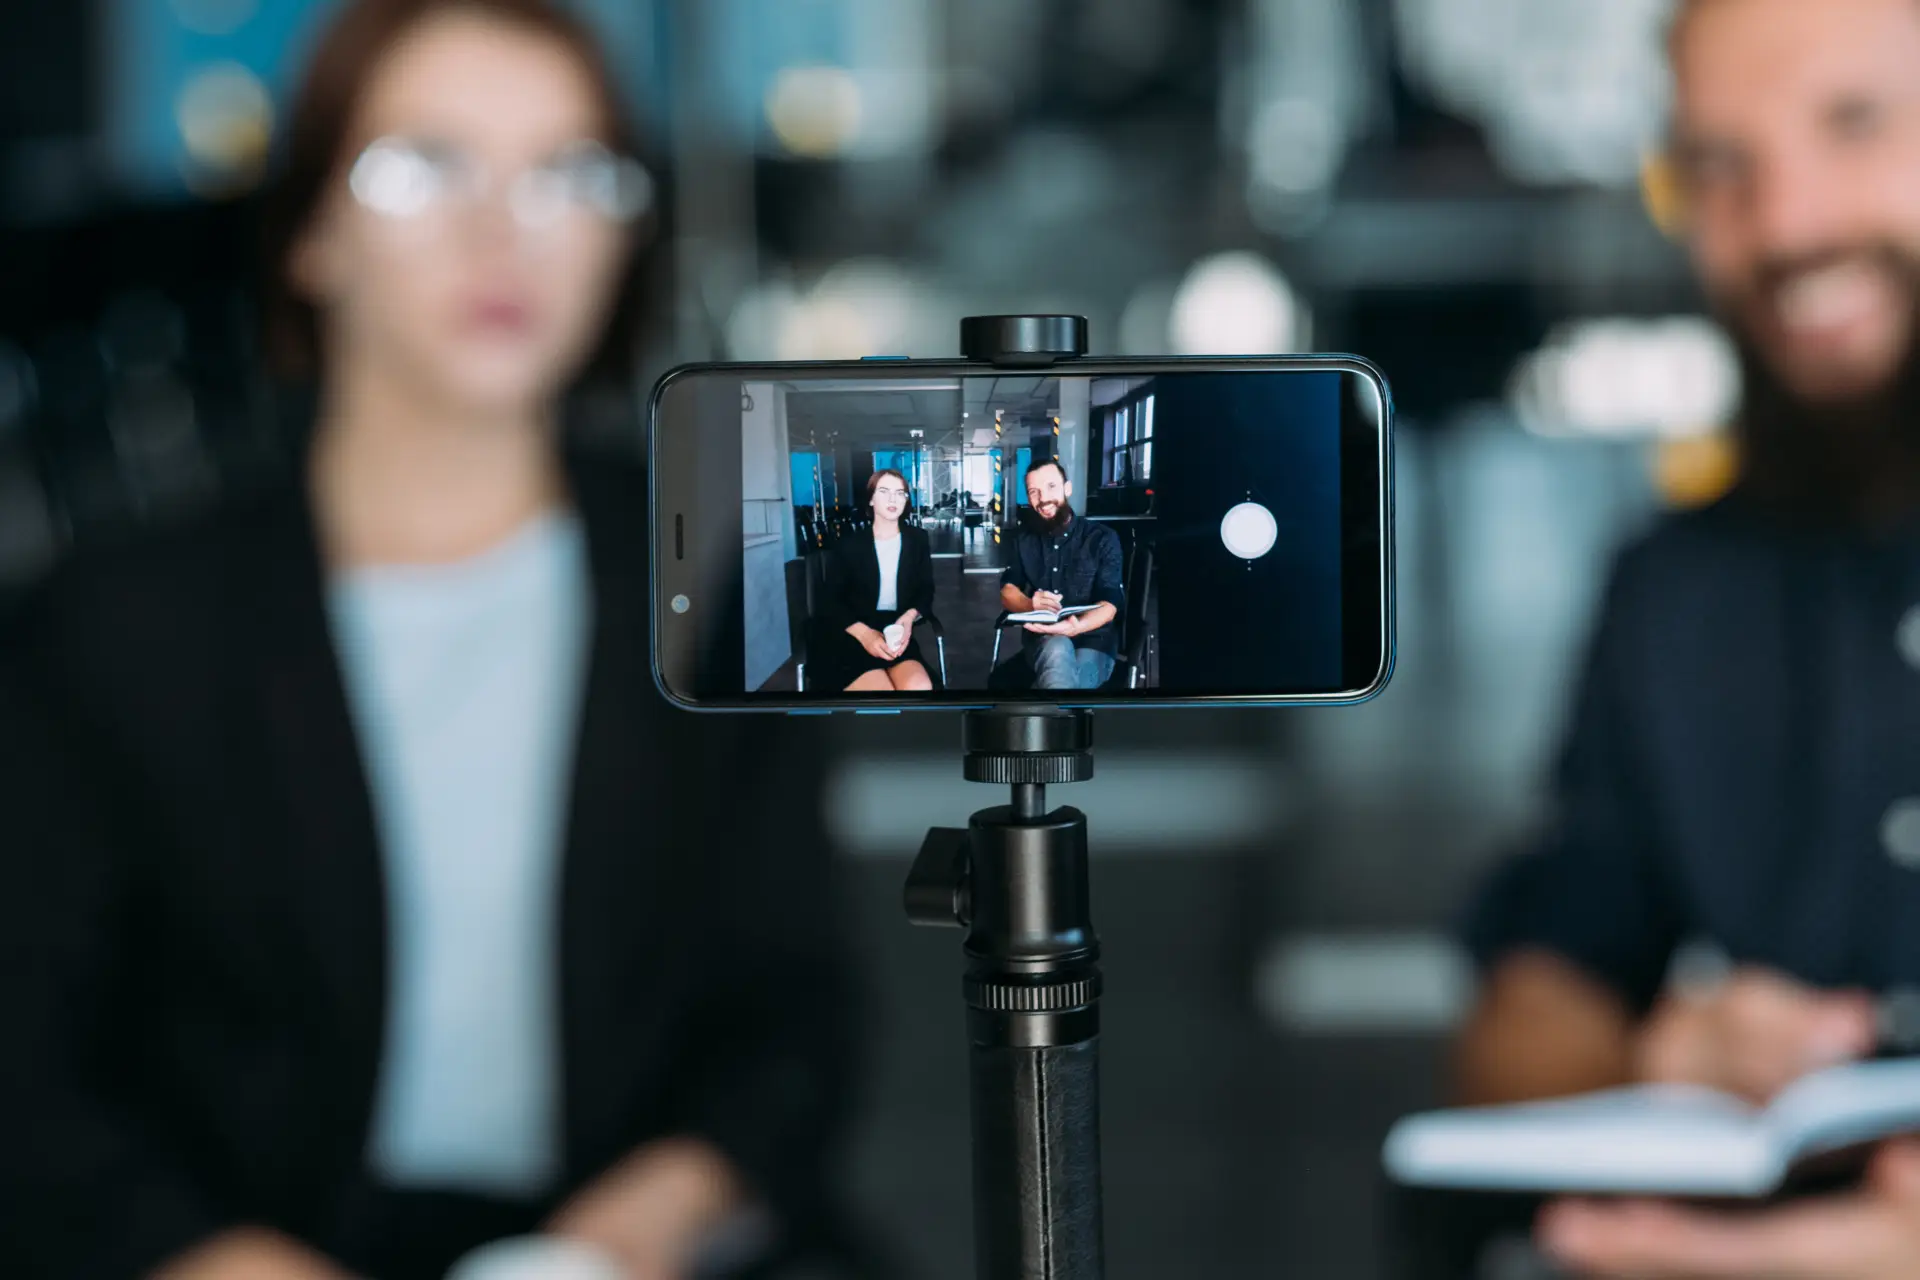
x: 1743, y: 767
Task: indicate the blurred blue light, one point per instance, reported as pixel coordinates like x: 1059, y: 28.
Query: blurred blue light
x: 153, y: 55
x: 155, y: 49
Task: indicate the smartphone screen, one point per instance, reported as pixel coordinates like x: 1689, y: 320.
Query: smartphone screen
x: 883, y: 534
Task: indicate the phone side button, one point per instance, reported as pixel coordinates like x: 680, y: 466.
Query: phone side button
x: 824, y: 711
x: 880, y: 711
x: 885, y: 357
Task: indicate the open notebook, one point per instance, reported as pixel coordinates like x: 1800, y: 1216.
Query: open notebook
x: 1657, y: 1139
x: 1049, y: 615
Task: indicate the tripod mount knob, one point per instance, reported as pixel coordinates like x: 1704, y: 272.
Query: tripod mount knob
x: 1023, y: 341
x: 1028, y: 746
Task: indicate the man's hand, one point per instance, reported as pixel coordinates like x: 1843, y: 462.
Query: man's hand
x: 653, y: 1210
x: 1064, y: 627
x: 1871, y: 1234
x: 1753, y: 1034
x: 1542, y: 1027
x: 1051, y: 601
x: 250, y: 1253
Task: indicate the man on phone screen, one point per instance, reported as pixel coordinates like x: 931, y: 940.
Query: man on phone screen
x: 1060, y: 561
x: 1743, y: 768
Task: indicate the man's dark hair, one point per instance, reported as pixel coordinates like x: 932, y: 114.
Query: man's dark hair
x: 1040, y: 463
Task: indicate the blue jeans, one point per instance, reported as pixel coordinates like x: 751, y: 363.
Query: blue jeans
x: 1057, y: 664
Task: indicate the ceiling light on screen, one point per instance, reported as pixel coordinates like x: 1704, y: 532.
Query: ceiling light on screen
x: 1249, y: 530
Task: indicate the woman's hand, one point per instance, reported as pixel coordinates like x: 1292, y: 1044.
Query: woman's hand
x: 250, y: 1253
x: 872, y: 641
x: 905, y: 622
x: 653, y: 1210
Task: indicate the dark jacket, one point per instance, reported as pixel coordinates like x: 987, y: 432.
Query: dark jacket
x: 1742, y: 765
x: 193, y: 945
x: 853, y: 577
x: 1082, y: 563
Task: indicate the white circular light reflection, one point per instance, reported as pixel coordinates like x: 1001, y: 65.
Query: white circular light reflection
x: 1249, y: 530
x: 1234, y: 303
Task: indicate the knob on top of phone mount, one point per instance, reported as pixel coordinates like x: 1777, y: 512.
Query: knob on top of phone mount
x: 1023, y: 340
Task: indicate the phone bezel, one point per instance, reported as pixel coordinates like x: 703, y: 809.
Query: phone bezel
x: 670, y: 576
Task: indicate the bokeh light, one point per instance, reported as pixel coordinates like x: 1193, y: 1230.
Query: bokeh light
x: 225, y: 117
x: 1234, y: 303
x: 1568, y: 90
x: 1619, y: 378
x: 860, y: 307
x: 815, y: 111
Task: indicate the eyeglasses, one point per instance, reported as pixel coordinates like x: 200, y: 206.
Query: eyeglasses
x: 410, y: 179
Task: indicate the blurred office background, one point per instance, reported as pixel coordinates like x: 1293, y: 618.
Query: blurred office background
x: 1454, y: 188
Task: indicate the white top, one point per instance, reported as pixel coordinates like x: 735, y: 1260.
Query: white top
x: 888, y: 549
x: 465, y: 681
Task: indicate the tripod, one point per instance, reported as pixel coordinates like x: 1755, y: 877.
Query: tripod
x: 1016, y: 880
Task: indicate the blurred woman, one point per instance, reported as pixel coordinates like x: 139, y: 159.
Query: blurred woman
x: 879, y: 585
x: 360, y: 901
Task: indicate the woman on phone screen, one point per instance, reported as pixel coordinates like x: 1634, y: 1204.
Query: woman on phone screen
x: 879, y: 586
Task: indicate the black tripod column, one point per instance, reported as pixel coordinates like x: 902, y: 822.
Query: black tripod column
x: 1017, y: 880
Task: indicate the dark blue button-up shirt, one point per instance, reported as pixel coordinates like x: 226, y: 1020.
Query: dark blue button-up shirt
x: 1082, y: 563
x: 1743, y: 768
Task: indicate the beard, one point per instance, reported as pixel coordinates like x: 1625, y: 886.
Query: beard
x: 1061, y: 517
x: 1831, y: 460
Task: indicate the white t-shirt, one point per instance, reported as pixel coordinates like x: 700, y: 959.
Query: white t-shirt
x: 888, y: 549
x: 465, y: 681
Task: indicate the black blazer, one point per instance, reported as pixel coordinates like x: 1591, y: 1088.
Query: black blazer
x: 192, y: 933
x: 853, y: 577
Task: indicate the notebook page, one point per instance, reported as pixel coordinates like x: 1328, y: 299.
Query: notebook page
x: 1656, y: 1139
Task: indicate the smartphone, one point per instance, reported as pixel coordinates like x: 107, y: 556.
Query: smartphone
x: 881, y: 535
